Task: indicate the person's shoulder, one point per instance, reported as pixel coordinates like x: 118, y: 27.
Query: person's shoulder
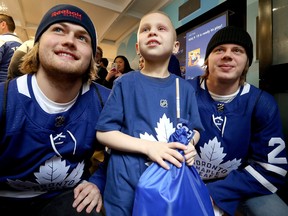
x: 26, y: 46
x: 195, y: 82
x: 253, y: 91
x: 2, y: 42
x: 127, y: 80
x: 100, y: 87
x: 130, y: 75
x: 29, y: 43
x: 263, y: 100
x: 9, y: 37
x: 100, y: 91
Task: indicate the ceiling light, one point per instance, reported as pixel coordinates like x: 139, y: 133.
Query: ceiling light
x: 3, y: 7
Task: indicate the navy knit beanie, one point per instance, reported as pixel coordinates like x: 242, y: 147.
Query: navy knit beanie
x: 234, y: 35
x: 67, y: 13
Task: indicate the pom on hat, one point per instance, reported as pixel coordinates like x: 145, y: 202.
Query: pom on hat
x: 67, y: 13
x: 232, y: 35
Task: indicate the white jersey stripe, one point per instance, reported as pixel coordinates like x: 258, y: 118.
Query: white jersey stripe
x: 261, y: 179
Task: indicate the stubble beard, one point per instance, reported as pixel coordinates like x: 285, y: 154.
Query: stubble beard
x: 63, y: 73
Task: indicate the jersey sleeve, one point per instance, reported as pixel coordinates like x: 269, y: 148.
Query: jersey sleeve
x: 2, y: 49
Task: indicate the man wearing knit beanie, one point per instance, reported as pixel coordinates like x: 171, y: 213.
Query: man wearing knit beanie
x: 71, y: 14
x: 233, y: 35
x: 243, y: 127
x: 48, y: 131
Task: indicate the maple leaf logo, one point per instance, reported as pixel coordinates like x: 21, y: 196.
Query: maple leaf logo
x: 210, y: 158
x: 51, y: 176
x: 164, y: 129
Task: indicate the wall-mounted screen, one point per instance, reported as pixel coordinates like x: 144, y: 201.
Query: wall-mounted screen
x: 193, y: 44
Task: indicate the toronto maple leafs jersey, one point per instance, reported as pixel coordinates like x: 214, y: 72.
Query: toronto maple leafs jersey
x: 142, y: 107
x: 42, y: 153
x: 242, y: 145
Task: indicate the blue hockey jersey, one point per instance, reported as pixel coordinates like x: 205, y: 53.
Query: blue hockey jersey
x: 42, y: 153
x: 142, y: 107
x: 242, y: 145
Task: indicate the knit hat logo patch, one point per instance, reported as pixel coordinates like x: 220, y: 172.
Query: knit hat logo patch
x: 75, y: 15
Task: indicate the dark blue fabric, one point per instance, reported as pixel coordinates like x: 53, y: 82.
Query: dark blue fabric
x: 178, y: 191
x: 174, y: 66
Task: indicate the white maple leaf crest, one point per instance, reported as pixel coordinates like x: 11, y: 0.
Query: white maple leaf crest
x: 53, y: 175
x: 164, y: 129
x: 211, y: 158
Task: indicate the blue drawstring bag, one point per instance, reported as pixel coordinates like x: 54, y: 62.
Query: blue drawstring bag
x: 173, y: 192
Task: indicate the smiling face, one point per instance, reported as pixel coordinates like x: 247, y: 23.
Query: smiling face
x: 156, y: 37
x: 227, y: 62
x: 65, y: 51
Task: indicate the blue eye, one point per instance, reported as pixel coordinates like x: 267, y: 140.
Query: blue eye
x: 57, y: 29
x: 82, y: 38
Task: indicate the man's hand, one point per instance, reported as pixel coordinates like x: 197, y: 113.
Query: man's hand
x: 87, y: 195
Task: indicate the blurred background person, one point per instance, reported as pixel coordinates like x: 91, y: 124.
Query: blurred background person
x: 122, y: 66
x: 13, y: 69
x: 141, y: 62
x: 104, y: 62
x: 102, y: 70
x: 9, y: 42
x: 98, y: 56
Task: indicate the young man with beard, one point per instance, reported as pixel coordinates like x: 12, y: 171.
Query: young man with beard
x: 48, y: 122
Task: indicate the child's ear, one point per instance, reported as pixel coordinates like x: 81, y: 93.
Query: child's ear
x: 137, y: 49
x: 176, y: 47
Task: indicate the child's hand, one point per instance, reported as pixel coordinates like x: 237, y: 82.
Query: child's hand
x: 190, y: 154
x: 161, y: 152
